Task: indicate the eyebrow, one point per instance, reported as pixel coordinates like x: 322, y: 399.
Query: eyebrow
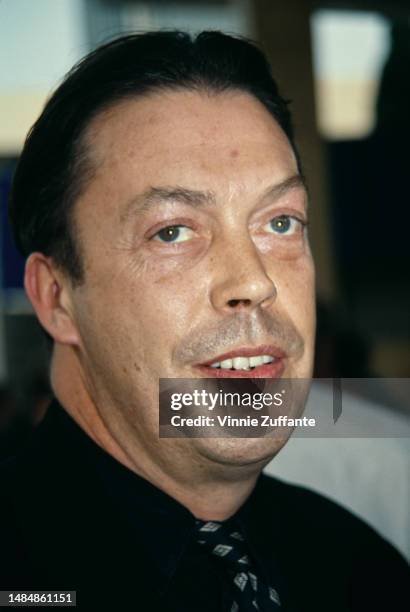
x: 277, y: 191
x: 196, y: 198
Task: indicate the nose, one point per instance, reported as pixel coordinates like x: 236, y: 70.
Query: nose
x: 242, y: 281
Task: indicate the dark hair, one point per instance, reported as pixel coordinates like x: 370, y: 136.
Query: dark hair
x: 54, y: 165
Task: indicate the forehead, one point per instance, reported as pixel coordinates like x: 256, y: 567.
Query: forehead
x: 225, y: 142
x: 166, y: 123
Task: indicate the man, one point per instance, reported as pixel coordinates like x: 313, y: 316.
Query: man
x: 160, y: 201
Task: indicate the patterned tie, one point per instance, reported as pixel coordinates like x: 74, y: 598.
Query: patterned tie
x: 249, y: 591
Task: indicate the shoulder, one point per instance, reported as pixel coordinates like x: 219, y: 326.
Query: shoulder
x: 312, y: 512
x: 52, y: 510
x: 329, y: 540
x: 12, y: 538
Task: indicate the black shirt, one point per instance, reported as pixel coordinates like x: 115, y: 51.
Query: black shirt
x: 73, y: 518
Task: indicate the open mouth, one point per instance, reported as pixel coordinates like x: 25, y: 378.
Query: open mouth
x: 261, y: 362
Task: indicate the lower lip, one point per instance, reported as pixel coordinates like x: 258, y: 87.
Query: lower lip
x: 269, y: 370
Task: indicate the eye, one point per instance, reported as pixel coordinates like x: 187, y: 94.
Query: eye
x: 284, y: 225
x: 174, y: 234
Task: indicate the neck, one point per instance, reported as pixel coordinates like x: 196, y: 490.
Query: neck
x: 209, y: 490
x: 217, y: 501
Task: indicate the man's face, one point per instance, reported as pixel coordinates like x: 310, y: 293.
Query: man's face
x: 195, y: 253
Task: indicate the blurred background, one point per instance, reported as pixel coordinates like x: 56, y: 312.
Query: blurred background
x: 346, y: 66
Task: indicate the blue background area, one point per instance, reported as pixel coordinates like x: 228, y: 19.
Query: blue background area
x: 12, y: 263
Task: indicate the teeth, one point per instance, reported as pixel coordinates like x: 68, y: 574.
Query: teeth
x: 243, y: 363
x: 226, y: 364
x: 256, y: 361
x: 240, y: 363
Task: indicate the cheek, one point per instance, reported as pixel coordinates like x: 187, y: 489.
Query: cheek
x: 296, y: 293
x: 165, y: 299
x: 128, y: 288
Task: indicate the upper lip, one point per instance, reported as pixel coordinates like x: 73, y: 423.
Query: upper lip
x: 248, y: 351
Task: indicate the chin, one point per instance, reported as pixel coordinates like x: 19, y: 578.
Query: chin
x: 240, y: 452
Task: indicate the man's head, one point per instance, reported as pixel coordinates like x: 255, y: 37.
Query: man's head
x: 160, y: 198
x: 55, y: 165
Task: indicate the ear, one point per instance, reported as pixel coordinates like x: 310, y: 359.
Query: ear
x: 47, y: 290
